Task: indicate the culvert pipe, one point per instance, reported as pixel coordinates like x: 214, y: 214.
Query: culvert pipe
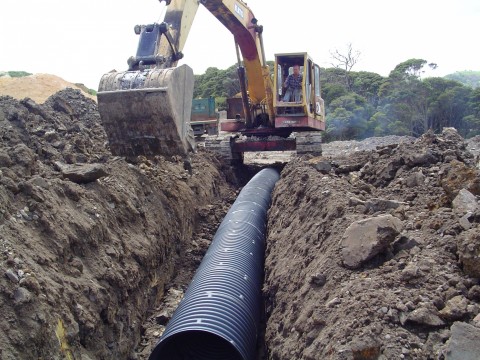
x: 219, y: 316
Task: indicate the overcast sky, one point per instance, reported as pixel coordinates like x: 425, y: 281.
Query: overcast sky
x: 80, y: 40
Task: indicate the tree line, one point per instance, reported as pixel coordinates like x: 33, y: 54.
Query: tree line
x: 364, y: 104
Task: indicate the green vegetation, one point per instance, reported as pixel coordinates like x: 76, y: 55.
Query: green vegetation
x: 363, y: 104
x: 87, y: 90
x: 468, y: 78
x: 15, y: 73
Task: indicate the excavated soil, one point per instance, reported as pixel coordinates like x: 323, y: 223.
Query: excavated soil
x: 89, y: 243
x: 96, y: 252
x: 401, y: 300
x: 38, y: 87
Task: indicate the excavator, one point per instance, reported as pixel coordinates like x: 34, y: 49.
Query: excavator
x: 146, y: 110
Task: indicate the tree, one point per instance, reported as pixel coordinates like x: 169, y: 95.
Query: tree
x: 345, y: 60
x: 468, y: 78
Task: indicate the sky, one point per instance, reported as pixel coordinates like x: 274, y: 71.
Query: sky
x: 81, y: 40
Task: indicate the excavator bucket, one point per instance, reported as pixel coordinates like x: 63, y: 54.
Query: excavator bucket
x: 147, y: 112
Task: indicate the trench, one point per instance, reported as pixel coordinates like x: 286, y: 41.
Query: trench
x: 186, y: 267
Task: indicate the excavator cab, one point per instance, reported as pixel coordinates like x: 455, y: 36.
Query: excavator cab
x: 306, y: 112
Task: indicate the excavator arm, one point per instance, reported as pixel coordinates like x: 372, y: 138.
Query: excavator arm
x: 146, y: 110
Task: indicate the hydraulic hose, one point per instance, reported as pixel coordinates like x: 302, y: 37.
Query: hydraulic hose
x: 219, y: 316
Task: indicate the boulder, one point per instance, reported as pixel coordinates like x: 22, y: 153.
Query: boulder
x: 455, y: 308
x: 464, y: 343
x: 468, y: 251
x: 456, y: 176
x: 464, y: 202
x: 415, y: 179
x: 83, y: 173
x: 426, y: 317
x: 367, y: 238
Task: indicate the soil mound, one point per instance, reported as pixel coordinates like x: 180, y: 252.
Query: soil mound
x: 89, y: 242
x: 375, y: 255
x: 38, y: 87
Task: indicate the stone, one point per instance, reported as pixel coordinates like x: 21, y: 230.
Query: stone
x: 333, y: 302
x: 476, y: 320
x: 468, y: 251
x: 162, y: 318
x: 456, y: 176
x: 424, y: 158
x: 22, y: 296
x: 415, y: 179
x: 474, y: 293
x: 425, y: 316
x: 464, y: 343
x: 12, y: 275
x: 318, y: 279
x: 404, y: 243
x: 455, y: 308
x: 82, y: 174
x: 367, y: 238
x: 465, y: 222
x: 375, y: 205
x: 465, y: 202
x: 410, y: 272
x: 323, y: 167
x: 365, y: 349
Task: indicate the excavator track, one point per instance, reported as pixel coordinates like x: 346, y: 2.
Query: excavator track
x: 309, y: 143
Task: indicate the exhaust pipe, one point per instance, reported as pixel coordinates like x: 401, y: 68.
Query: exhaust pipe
x: 218, y: 318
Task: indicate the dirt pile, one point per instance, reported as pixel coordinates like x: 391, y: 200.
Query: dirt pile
x: 38, y: 87
x: 89, y: 242
x: 375, y: 255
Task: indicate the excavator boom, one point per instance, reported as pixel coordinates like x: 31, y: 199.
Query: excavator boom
x: 146, y: 110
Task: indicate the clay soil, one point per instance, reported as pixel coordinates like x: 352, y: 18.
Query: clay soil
x: 402, y: 302
x: 96, y: 252
x: 38, y: 87
x: 83, y: 261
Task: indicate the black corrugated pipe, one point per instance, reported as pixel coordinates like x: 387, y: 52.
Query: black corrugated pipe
x: 218, y: 318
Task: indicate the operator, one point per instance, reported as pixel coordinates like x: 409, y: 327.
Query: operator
x: 293, y: 85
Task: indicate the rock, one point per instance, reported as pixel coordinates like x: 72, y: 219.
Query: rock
x: 162, y: 318
x: 468, y: 251
x: 382, y: 204
x: 415, y: 179
x: 365, y: 349
x: 425, y: 316
x: 39, y: 181
x: 367, y: 238
x: 5, y: 160
x: 404, y: 243
x: 464, y: 221
x: 323, y: 166
x: 464, y: 343
x: 410, y: 272
x: 81, y: 174
x: 318, y: 279
x: 474, y: 293
x: 22, y: 296
x: 465, y: 202
x: 425, y: 158
x: 456, y: 176
x: 455, y: 308
x: 333, y: 302
x: 476, y: 320
x: 12, y: 275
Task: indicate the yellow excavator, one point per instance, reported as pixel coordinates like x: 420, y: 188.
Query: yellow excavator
x: 146, y: 110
